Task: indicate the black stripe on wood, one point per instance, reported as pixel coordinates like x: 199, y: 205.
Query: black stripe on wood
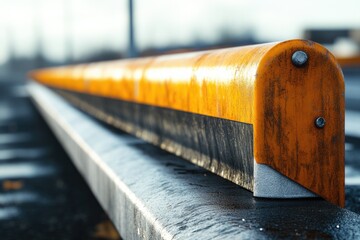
x: 222, y: 146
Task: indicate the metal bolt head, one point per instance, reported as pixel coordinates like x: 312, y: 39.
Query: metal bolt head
x: 320, y: 122
x: 299, y: 58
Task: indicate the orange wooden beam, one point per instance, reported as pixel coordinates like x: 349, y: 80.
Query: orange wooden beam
x: 257, y: 85
x: 353, y: 61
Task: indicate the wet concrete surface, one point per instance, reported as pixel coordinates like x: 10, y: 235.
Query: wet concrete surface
x: 152, y: 194
x: 42, y: 196
x: 352, y: 170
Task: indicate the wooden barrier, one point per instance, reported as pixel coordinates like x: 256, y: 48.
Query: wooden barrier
x: 228, y: 110
x: 353, y: 61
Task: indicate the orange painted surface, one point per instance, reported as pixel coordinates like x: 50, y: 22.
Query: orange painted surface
x: 288, y: 99
x: 254, y: 84
x: 211, y: 83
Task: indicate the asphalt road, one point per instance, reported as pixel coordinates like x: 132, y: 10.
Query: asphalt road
x: 42, y: 196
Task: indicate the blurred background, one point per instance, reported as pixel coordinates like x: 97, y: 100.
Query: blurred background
x: 35, y: 203
x: 40, y: 33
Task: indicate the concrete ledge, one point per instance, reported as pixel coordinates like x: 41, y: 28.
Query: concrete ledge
x: 151, y: 194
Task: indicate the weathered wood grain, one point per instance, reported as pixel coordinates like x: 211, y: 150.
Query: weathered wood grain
x: 256, y: 85
x: 287, y: 102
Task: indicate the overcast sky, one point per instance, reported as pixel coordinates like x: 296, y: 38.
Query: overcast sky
x: 98, y: 24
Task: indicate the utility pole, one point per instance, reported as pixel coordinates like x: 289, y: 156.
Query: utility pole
x: 39, y: 54
x: 132, y: 52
